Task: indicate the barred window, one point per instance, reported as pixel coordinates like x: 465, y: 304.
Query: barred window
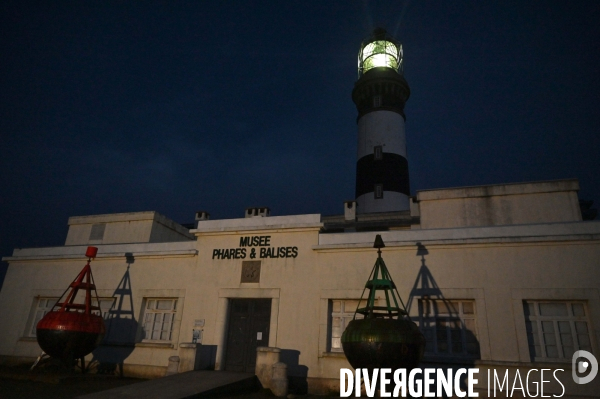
x: 159, y: 314
x: 449, y: 327
x: 555, y: 330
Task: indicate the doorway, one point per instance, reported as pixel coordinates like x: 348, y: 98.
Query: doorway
x: 249, y: 321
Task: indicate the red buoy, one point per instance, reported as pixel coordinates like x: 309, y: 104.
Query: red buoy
x: 71, y: 330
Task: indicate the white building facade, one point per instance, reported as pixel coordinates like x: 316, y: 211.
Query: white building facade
x: 502, y: 277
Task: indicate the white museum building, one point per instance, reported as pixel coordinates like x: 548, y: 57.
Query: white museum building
x: 503, y: 277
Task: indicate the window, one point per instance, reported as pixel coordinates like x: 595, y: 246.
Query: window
x: 97, y: 232
x: 158, y: 319
x: 106, y: 305
x: 42, y: 306
x: 45, y: 305
x: 378, y: 191
x: 376, y: 101
x: 342, y: 313
x: 378, y: 152
x: 449, y: 327
x: 555, y: 330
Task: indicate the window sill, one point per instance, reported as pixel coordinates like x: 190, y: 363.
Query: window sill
x: 334, y: 354
x: 551, y: 361
x: 163, y: 345
x: 562, y: 363
x: 474, y: 361
x: 120, y: 344
x: 450, y: 359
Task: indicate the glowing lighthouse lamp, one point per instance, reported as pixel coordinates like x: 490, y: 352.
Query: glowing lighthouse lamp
x: 379, y: 53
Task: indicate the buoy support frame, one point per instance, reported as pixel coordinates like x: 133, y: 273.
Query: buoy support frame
x: 381, y: 280
x: 83, y: 281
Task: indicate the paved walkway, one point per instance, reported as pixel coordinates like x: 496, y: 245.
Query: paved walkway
x: 13, y: 386
x: 185, y: 385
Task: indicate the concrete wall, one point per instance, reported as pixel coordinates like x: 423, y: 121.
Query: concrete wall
x: 126, y: 228
x: 125, y: 272
x: 502, y: 204
x: 559, y: 262
x: 284, y: 280
x: 497, y: 267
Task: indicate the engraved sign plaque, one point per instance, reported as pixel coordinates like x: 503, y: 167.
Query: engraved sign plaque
x: 250, y: 271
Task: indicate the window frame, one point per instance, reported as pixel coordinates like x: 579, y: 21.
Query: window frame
x: 430, y: 322
x: 378, y: 152
x: 146, y: 311
x: 378, y: 191
x: 539, y: 321
x: 105, y: 312
x: 51, y: 301
x: 50, y: 304
x: 346, y: 314
x: 97, y: 232
x: 377, y: 101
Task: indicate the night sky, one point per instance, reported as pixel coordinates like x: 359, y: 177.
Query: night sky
x: 179, y: 106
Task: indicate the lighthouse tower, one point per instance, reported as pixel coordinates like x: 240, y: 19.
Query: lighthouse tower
x: 380, y: 94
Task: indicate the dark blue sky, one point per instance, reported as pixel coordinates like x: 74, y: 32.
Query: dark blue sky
x: 178, y: 106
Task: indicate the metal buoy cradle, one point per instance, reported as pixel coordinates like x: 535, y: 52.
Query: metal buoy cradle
x: 385, y: 337
x: 71, y: 330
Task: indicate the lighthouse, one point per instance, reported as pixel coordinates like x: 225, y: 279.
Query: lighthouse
x: 379, y: 95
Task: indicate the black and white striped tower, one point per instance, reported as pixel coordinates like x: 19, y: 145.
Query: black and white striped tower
x: 380, y: 94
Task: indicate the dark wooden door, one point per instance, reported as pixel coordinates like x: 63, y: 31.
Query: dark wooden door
x: 249, y: 321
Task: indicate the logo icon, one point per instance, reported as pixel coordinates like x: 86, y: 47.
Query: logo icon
x: 580, y: 366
